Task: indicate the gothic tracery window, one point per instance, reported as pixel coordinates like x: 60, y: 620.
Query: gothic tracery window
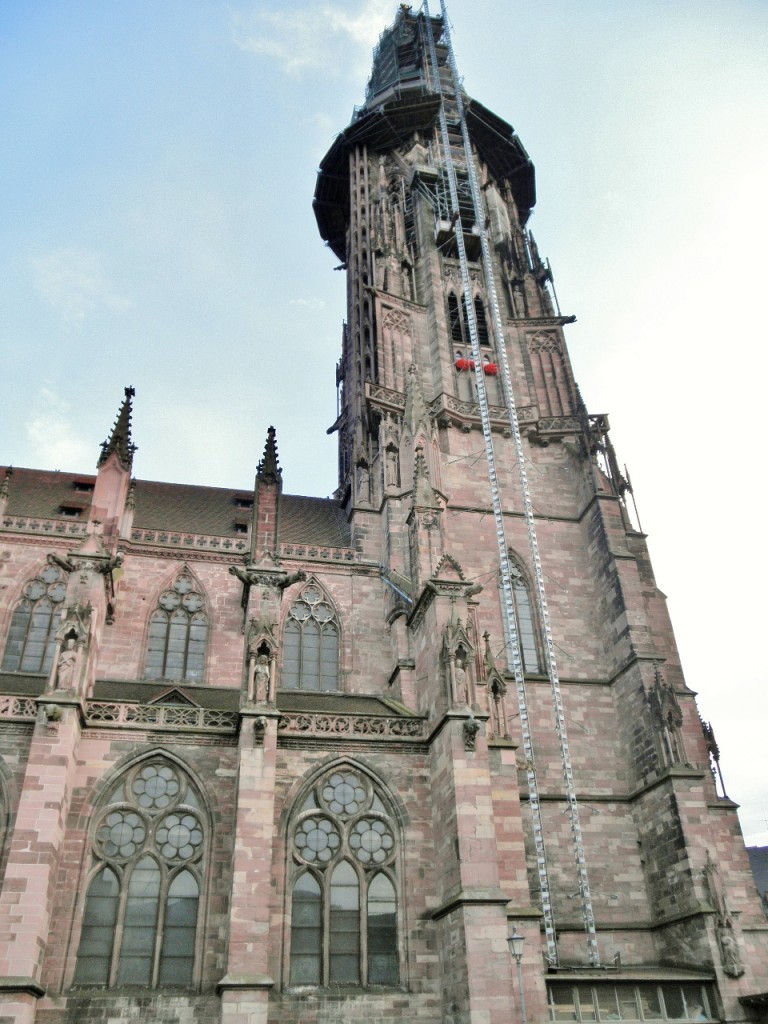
x: 146, y: 878
x: 311, y: 643
x: 32, y: 635
x: 525, y: 620
x: 178, y: 633
x: 344, y: 846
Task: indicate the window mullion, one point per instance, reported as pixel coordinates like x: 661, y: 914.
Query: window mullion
x: 160, y: 924
x: 166, y: 644
x: 300, y: 676
x: 123, y: 879
x: 325, y: 951
x: 364, y: 929
x: 185, y: 657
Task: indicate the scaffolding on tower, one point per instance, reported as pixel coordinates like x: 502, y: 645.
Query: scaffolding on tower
x: 453, y: 123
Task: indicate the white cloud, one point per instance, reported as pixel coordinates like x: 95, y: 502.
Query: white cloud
x: 73, y: 283
x: 312, y: 38
x: 311, y: 304
x: 50, y: 434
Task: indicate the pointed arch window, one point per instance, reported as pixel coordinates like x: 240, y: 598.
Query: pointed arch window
x: 311, y: 643
x: 458, y: 321
x: 143, y: 900
x: 178, y: 633
x: 343, y: 893
x: 32, y: 635
x: 525, y: 620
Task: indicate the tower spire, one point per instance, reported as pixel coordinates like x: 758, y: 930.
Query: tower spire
x: 119, y: 441
x: 269, y: 468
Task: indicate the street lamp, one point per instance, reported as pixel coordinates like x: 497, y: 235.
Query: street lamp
x: 516, y: 943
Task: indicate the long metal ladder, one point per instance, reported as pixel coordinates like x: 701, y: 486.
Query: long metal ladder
x: 508, y: 603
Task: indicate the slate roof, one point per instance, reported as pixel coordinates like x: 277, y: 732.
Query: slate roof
x: 178, y: 508
x: 216, y: 698
x: 339, y: 704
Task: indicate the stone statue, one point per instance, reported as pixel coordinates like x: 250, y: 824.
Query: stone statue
x: 462, y: 689
x: 261, y: 679
x: 730, y: 953
x: 65, y: 672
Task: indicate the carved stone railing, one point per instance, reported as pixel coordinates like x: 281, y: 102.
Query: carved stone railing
x: 559, y: 425
x: 371, y: 727
x: 449, y: 403
x: 159, y: 716
x: 20, y: 709
x: 50, y: 527
x: 325, y: 554
x: 198, y: 541
x: 385, y: 397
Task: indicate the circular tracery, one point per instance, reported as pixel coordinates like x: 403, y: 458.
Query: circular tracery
x: 317, y: 840
x: 371, y: 841
x: 344, y: 793
x: 179, y: 837
x: 156, y: 786
x: 120, y: 834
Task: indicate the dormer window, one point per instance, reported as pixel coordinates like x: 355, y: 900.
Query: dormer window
x: 241, y: 527
x: 70, y: 511
x: 83, y: 486
x: 243, y: 502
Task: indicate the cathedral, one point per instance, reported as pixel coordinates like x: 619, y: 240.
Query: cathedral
x: 422, y: 751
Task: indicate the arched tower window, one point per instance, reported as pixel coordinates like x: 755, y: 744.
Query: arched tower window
x: 178, y: 633
x: 525, y: 620
x: 144, y: 894
x: 454, y: 319
x: 482, y: 323
x: 311, y: 643
x: 458, y: 321
x: 344, y: 846
x: 32, y: 636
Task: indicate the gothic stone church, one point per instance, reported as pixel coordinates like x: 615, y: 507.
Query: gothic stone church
x: 267, y: 757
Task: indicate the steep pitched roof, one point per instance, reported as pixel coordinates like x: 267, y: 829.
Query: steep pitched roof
x: 41, y: 493
x: 182, y: 508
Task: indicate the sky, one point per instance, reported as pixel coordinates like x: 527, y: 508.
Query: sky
x: 156, y: 230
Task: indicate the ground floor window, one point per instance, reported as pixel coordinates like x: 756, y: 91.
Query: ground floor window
x: 631, y: 1001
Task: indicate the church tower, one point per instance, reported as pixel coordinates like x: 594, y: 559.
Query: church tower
x: 521, y: 597
x: 268, y: 758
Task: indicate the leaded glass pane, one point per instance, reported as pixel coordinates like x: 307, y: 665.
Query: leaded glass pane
x: 156, y: 644
x: 561, y: 1003
x: 586, y: 1003
x: 627, y: 996
x: 310, y: 656
x: 291, y: 652
x: 329, y: 657
x: 140, y: 925
x: 14, y: 647
x: 673, y: 1001
x: 695, y: 1001
x: 306, y: 932
x: 650, y: 1003
x: 525, y: 627
x: 383, y: 968
x: 344, y: 926
x: 177, y: 956
x: 607, y: 1006
x: 38, y: 635
x: 97, y: 935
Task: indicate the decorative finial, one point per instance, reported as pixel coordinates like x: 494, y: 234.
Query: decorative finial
x: 119, y: 441
x: 269, y: 468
